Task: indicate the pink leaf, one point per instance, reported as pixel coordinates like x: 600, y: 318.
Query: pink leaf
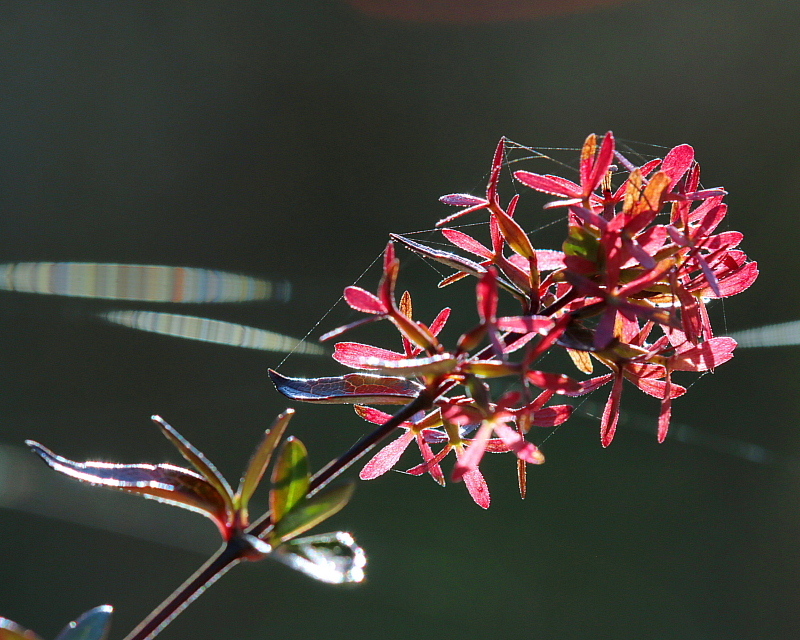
x: 601, y: 165
x: 608, y: 423
x: 364, y: 301
x: 656, y: 388
x: 706, y: 356
x: 526, y: 451
x: 552, y: 416
x: 677, y: 162
x: 557, y: 382
x: 462, y: 200
x: 587, y: 386
x: 553, y: 185
x: 467, y: 243
x: 387, y: 457
x: 439, y: 321
x: 471, y: 458
x: 477, y: 487
x: 354, y: 354
x: 525, y: 324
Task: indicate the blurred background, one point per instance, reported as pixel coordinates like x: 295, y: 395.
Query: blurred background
x: 283, y: 140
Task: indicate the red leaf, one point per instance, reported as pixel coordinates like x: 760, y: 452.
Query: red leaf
x: 548, y: 259
x: 462, y: 200
x: 677, y: 162
x: 601, y: 165
x: 557, y: 382
x: 526, y: 451
x: 704, y: 357
x: 553, y: 185
x: 525, y: 324
x: 354, y: 354
x: 477, y: 487
x: 467, y: 243
x: 608, y: 423
x: 552, y: 416
x: 364, y: 301
x: 656, y: 388
x: 387, y: 457
x: 735, y: 282
x: 486, y: 293
x: 439, y: 321
x: 431, y: 365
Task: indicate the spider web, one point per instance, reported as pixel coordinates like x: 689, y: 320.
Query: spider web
x: 564, y: 162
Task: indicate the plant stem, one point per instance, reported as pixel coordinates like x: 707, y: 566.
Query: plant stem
x: 226, y: 557
x: 233, y: 551
x: 335, y: 467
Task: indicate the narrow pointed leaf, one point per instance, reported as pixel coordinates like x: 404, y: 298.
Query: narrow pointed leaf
x: 163, y: 482
x: 677, y: 162
x: 477, y: 487
x: 334, y: 558
x: 353, y: 388
x: 311, y: 511
x: 387, y: 457
x: 554, y: 185
x: 462, y: 200
x: 197, y: 460
x: 290, y: 478
x: 409, y: 367
x: 526, y: 324
x: 467, y: 243
x: 260, y: 460
x: 92, y: 625
x: 445, y: 257
x: 557, y: 382
x: 514, y: 234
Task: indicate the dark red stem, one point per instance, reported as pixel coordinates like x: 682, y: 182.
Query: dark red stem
x: 226, y: 557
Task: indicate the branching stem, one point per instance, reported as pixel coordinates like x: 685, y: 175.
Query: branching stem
x: 233, y: 551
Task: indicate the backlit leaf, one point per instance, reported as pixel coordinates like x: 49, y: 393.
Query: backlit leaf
x: 197, y: 460
x: 260, y: 460
x: 311, y: 511
x: 364, y: 301
x: 334, y: 558
x: 353, y: 388
x: 356, y: 355
x: 163, y: 482
x: 290, y: 478
x: 431, y: 365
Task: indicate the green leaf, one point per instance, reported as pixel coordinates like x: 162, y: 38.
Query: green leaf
x: 12, y: 631
x: 334, y: 558
x: 311, y: 511
x: 290, y: 478
x: 198, y: 460
x: 581, y: 243
x: 260, y: 460
x: 92, y: 625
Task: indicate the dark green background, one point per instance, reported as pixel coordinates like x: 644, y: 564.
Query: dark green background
x: 285, y: 139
